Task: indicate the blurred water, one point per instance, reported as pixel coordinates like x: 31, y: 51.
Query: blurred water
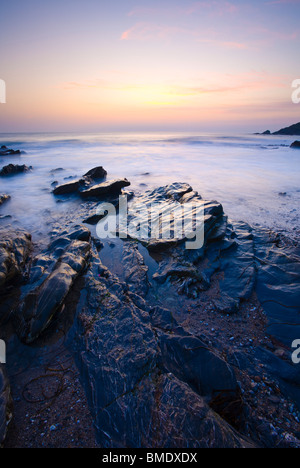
x: 246, y: 173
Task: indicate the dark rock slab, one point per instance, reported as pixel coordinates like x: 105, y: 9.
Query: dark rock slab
x: 13, y: 169
x: 71, y: 187
x: 111, y: 187
x: 5, y: 406
x: 296, y: 144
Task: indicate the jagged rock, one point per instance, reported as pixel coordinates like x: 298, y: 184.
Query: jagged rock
x: 5, y: 406
x: 146, y: 378
x: 13, y: 169
x: 51, y: 279
x: 110, y: 187
x: 4, y: 198
x: 15, y: 247
x: 96, y: 173
x: 296, y: 144
x: 58, y: 169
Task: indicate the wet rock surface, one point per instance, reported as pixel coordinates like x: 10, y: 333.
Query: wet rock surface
x: 296, y: 144
x: 176, y: 347
x: 141, y: 390
x: 50, y: 279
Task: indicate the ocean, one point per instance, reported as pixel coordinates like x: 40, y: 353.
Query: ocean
x: 255, y: 177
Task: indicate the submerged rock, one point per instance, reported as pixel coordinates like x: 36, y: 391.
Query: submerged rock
x: 4, y: 198
x: 5, y: 406
x: 13, y: 169
x: 4, y: 151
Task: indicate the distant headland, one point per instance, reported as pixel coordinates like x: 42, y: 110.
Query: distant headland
x: 291, y: 131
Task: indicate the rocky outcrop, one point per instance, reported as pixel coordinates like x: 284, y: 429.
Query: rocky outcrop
x: 4, y: 198
x: 292, y: 130
x: 296, y: 144
x: 15, y: 247
x: 149, y: 382
x: 78, y: 185
x: 157, y: 375
x: 51, y: 278
x: 5, y: 406
x: 4, y: 151
x: 245, y: 259
x: 13, y: 169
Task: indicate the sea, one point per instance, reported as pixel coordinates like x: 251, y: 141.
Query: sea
x: 255, y: 177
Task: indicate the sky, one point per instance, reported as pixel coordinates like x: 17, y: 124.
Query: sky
x: 159, y: 65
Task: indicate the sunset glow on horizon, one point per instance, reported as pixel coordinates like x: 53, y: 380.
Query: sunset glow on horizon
x: 149, y: 66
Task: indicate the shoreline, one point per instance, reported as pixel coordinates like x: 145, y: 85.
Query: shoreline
x: 117, y: 325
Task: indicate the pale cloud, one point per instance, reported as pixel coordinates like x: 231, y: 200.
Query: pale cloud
x: 144, y: 31
x: 217, y: 7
